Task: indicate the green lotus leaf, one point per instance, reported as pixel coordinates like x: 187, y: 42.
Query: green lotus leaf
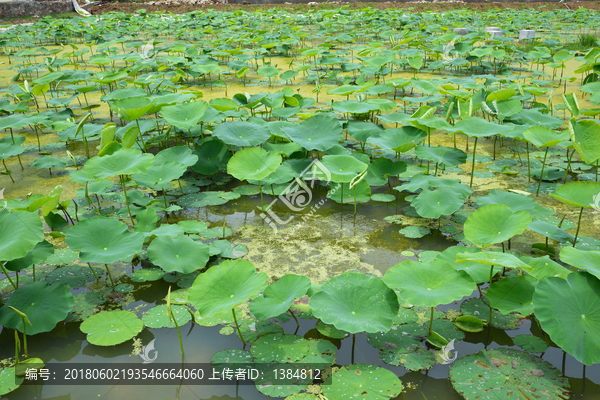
x: 551, y: 231
x: 507, y: 374
x: 40, y: 252
x: 578, y: 194
x: 532, y: 344
x: 513, y: 294
x: 241, y: 133
x: 48, y: 162
x: 103, y: 240
x: 544, y: 137
x: 178, y: 254
x: 495, y: 223
x: 193, y: 226
x: 433, y: 204
x: 429, y: 284
x: 161, y: 175
x: 415, y: 232
x: 354, y: 303
x: 280, y: 348
x: 343, y: 168
x: 542, y: 267
x: 581, y: 259
x: 45, y: 305
x: 180, y: 154
x: 131, y: 108
x: 372, y: 382
x: 286, y: 149
x: 382, y: 197
x: 158, y: 317
x: 382, y: 168
x: 110, y: 328
x: 122, y: 162
x: 9, y: 381
x: 20, y: 232
x: 444, y: 155
x: 318, y: 132
x: 397, y: 348
x: 399, y: 140
x: 479, y: 272
x: 330, y: 330
x: 515, y: 201
x: 184, y: 116
x: 353, y: 107
x: 493, y: 258
x: 362, y: 191
x: 253, y: 163
x: 225, y: 286
x: 535, y: 118
x: 469, y: 323
x: 147, y: 274
x: 212, y: 156
x: 478, y: 127
x: 362, y: 131
x: 585, y: 136
x: 279, y: 296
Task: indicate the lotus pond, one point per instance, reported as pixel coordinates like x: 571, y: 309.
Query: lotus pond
x: 235, y: 188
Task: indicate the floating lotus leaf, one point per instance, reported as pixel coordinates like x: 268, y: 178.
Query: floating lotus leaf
x: 122, y: 162
x: 355, y: 303
x: 241, y: 133
x: 20, y: 232
x: 495, y: 223
x: 279, y: 296
x: 434, y: 204
x: 330, y: 330
x: 513, y: 294
x: 318, y: 132
x: 415, y: 232
x: 225, y: 286
x: 212, y: 156
x: 469, y: 323
x: 184, y: 116
x: 180, y: 254
x: 62, y: 257
x: 507, y: 374
x: 40, y: 252
x: 370, y: 381
x: 532, y: 344
x: 279, y: 348
x: 321, y: 351
x: 382, y: 197
x: 191, y: 226
x: 231, y: 356
x: 158, y: 317
x: 253, y: 163
x: 398, y: 348
x: 429, y: 284
x: 45, y: 305
x: 478, y: 308
x: 109, y: 328
x: 73, y: 276
x: 104, y: 240
x: 569, y: 312
x: 9, y: 381
x: 578, y: 194
x: 147, y: 274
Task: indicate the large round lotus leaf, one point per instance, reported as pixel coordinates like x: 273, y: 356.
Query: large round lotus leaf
x: 318, y: 132
x: 353, y: 107
x: 179, y: 254
x: 532, y: 344
x: 158, y: 317
x: 279, y: 348
x: 184, y: 116
x: 582, y: 259
x: 212, y: 156
x: 227, y: 357
x: 551, y: 231
x: 147, y: 274
x: 569, y: 312
x: 544, y: 137
x: 48, y: 162
x: 45, y: 305
x: 444, y: 155
x: 479, y: 272
x: 225, y: 286
x: 585, y: 136
x: 495, y: 223
x: 542, y: 267
x: 122, y: 162
x: 493, y: 258
x: 469, y: 323
x: 109, y: 328
x: 40, y: 252
x: 513, y: 294
x: 9, y: 381
x: 180, y: 154
x: 361, y: 131
x: 253, y: 163
x: 354, y: 303
x: 103, y: 240
x: 131, y: 108
x: 398, y: 139
x: 74, y: 276
x: 343, y: 168
x: 433, y: 204
x: 515, y: 201
x: 20, y: 232
x: 578, y: 194
x: 160, y: 175
x: 279, y: 296
x: 478, y: 127
x: 429, y: 284
x: 368, y: 381
x: 415, y: 232
x: 382, y: 168
x: 361, y: 193
x: 507, y: 374
x: 241, y: 133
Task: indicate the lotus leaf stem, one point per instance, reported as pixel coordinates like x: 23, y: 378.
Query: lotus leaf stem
x: 491, y: 277
x: 537, y: 193
x: 141, y: 135
x: 8, y: 171
x: 261, y: 194
x: 568, y: 166
x: 237, y: 326
x: 126, y: 200
x: 18, y: 345
x: 473, y: 163
x: 109, y: 275
x: 178, y: 333
x: 528, y: 166
x: 295, y: 318
x: 431, y: 321
x: 353, y: 343
x: 93, y: 272
x: 578, y: 226
x: 6, y: 273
